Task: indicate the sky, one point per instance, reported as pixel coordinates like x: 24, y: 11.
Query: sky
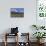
x: 17, y: 10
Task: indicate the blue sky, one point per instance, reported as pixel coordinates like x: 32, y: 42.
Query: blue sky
x: 17, y: 10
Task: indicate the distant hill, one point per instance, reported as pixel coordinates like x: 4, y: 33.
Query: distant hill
x: 17, y: 13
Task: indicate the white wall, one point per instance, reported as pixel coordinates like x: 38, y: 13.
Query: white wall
x: 23, y: 23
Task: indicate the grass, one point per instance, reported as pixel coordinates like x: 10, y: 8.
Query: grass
x: 13, y: 14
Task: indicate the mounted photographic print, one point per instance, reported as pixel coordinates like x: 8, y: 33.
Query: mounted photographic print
x: 41, y: 12
x: 17, y: 12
